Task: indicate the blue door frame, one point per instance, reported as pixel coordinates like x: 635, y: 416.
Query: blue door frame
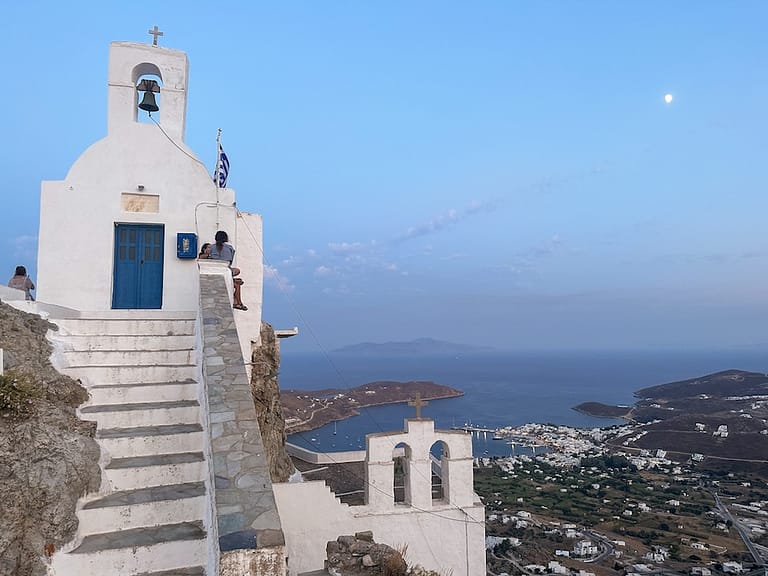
x: 138, y: 266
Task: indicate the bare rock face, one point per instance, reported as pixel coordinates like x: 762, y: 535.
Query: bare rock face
x: 359, y: 555
x: 48, y: 457
x: 266, y: 396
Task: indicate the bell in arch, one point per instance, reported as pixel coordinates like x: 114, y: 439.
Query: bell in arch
x: 150, y: 88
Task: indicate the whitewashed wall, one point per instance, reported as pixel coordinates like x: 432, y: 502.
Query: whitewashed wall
x: 446, y: 538
x: 447, y: 535
x: 78, y: 214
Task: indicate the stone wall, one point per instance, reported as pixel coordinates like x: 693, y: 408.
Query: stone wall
x: 249, y: 529
x: 48, y: 457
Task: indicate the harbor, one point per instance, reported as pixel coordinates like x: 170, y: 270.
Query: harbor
x: 519, y: 443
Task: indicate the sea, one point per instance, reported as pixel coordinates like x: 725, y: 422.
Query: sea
x: 500, y: 388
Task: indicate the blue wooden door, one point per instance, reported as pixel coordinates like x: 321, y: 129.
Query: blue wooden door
x: 138, y: 275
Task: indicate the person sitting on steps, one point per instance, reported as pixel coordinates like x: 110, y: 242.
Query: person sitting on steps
x: 223, y: 250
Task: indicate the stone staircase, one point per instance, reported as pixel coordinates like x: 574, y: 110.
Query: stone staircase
x: 151, y: 515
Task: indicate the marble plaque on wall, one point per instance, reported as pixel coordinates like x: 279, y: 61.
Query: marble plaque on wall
x: 132, y: 202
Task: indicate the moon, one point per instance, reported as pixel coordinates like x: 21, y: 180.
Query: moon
x: 668, y: 98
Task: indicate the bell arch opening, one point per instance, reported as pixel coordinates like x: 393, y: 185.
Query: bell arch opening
x: 438, y: 456
x: 401, y: 457
x: 148, y: 81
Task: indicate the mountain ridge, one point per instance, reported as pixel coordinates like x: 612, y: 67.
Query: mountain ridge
x: 418, y: 346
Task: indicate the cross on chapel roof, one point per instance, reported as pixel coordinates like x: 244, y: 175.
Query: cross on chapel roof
x: 155, y: 32
x: 418, y: 403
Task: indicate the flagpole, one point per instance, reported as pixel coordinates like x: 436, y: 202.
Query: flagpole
x: 216, y: 178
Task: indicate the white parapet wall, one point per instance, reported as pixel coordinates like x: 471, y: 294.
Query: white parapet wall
x: 446, y: 534
x: 322, y: 457
x: 445, y: 538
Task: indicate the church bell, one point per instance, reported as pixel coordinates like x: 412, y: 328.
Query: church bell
x: 149, y: 87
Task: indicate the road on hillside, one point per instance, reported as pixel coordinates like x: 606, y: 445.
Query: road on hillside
x: 758, y: 558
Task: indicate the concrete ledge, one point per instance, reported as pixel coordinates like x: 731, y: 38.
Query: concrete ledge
x: 322, y: 458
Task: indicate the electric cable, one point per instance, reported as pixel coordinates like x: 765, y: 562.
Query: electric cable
x: 312, y: 334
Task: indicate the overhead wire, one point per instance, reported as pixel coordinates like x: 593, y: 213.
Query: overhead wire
x: 317, y: 343
x: 346, y: 385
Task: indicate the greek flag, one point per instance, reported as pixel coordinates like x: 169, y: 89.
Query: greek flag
x: 222, y: 169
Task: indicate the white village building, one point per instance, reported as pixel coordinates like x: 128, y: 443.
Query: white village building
x: 585, y: 548
x: 150, y: 332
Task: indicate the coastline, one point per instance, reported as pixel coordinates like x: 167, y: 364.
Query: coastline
x: 348, y: 403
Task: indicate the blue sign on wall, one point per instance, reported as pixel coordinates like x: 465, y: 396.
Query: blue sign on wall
x: 186, y: 245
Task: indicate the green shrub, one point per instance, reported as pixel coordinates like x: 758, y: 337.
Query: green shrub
x: 16, y: 395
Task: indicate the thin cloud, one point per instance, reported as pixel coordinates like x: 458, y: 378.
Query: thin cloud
x: 340, y: 290
x: 323, y: 271
x: 300, y: 260
x: 436, y: 224
x: 292, y: 262
x: 448, y: 219
x: 477, y: 207
x: 525, y: 262
x: 550, y: 247
x: 345, y: 247
x: 273, y: 277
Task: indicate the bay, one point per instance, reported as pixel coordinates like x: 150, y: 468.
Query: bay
x: 500, y: 388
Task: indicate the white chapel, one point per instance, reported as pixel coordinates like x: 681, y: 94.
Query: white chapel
x: 150, y: 332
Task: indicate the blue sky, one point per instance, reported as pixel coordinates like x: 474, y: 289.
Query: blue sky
x: 495, y: 173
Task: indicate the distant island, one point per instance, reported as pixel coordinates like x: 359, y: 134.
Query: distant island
x: 418, y: 347
x: 309, y: 409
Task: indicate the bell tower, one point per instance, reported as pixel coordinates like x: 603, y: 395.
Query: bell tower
x: 129, y: 63
x: 131, y: 196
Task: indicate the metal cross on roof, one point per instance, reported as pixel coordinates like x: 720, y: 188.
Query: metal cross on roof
x: 155, y: 33
x: 418, y: 403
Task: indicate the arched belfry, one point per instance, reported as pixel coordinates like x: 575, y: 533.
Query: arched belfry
x: 442, y: 520
x: 418, y: 438
x: 128, y: 64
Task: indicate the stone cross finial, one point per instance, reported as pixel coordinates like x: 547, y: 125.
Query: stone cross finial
x: 418, y: 403
x: 155, y: 33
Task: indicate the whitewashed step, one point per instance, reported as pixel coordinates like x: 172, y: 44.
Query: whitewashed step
x: 132, y: 342
x: 137, y: 472
x: 142, y: 414
x: 148, y: 440
x: 149, y: 392
x: 127, y: 327
x: 144, y: 507
x: 92, y: 358
x: 91, y: 375
x: 136, y: 551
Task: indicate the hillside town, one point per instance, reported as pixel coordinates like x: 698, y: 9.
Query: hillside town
x: 589, y: 501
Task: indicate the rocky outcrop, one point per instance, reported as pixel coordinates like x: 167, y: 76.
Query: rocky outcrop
x: 48, y: 457
x: 266, y: 396
x: 359, y: 555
